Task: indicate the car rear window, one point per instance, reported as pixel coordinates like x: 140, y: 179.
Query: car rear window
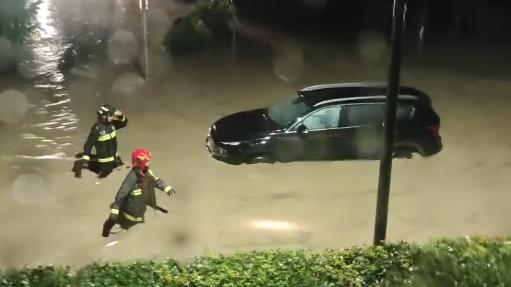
x: 405, y: 111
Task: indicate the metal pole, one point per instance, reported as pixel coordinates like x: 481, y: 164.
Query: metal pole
x: 382, y: 204
x: 144, y: 6
x: 233, y: 39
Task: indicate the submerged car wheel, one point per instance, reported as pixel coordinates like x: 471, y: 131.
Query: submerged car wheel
x: 260, y: 158
x: 407, y: 155
x: 403, y: 153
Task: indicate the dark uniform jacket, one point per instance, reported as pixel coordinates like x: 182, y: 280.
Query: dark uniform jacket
x: 135, y: 193
x: 103, y: 137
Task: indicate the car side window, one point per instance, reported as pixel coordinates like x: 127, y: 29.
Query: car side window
x: 363, y: 115
x: 326, y: 118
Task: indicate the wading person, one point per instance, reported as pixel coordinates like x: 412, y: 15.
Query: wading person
x: 103, y: 138
x: 135, y: 194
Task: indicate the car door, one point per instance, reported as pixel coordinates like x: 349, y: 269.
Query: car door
x: 312, y: 138
x: 362, y: 124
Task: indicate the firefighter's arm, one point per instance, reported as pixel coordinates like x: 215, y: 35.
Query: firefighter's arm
x: 89, y: 144
x: 123, y: 192
x: 120, y: 120
x: 161, y: 185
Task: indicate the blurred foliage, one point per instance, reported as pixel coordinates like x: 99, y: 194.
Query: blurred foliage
x: 41, y: 276
x: 205, y: 25
x: 468, y: 262
x: 463, y: 262
x: 15, y: 19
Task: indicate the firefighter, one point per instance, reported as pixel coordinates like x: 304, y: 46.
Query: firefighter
x: 103, y: 138
x: 135, y: 194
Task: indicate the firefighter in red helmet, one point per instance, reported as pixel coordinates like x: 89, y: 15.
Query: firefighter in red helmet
x: 135, y: 193
x: 103, y: 138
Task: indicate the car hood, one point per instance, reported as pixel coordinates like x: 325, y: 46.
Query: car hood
x: 244, y: 126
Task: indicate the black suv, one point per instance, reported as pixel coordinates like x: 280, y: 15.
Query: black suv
x: 327, y: 122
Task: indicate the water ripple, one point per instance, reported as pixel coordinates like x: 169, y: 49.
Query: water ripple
x: 54, y: 120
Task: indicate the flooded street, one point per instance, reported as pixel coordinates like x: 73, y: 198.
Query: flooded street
x: 52, y: 217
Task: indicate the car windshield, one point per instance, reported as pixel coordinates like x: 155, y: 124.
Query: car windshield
x: 287, y: 111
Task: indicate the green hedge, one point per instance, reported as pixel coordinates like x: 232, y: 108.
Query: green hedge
x: 464, y: 262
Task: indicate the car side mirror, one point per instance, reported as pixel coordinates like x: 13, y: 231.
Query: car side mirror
x: 302, y: 129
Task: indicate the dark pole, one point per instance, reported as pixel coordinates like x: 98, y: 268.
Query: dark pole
x: 233, y: 38
x: 144, y: 6
x: 382, y: 204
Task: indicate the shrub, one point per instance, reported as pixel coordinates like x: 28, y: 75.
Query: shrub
x: 207, y: 24
x: 464, y: 262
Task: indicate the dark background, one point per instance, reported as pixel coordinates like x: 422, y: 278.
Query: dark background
x: 444, y: 21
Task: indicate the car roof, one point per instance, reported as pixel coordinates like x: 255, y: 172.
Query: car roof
x: 322, y: 94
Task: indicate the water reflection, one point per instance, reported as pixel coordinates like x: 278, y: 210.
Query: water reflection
x: 273, y: 225
x: 53, y: 116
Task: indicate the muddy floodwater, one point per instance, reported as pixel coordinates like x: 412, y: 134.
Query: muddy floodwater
x: 51, y: 217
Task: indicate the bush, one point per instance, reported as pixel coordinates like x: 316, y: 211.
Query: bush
x: 476, y: 262
x: 41, y: 276
x: 469, y: 262
x: 205, y: 25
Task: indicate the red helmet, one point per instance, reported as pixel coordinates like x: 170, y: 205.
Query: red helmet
x: 140, y: 158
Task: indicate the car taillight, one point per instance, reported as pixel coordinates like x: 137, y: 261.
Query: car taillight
x: 435, y: 130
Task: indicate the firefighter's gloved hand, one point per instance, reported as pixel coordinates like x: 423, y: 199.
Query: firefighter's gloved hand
x: 77, y: 169
x: 78, y: 166
x: 119, y: 115
x: 170, y: 191
x: 119, y: 163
